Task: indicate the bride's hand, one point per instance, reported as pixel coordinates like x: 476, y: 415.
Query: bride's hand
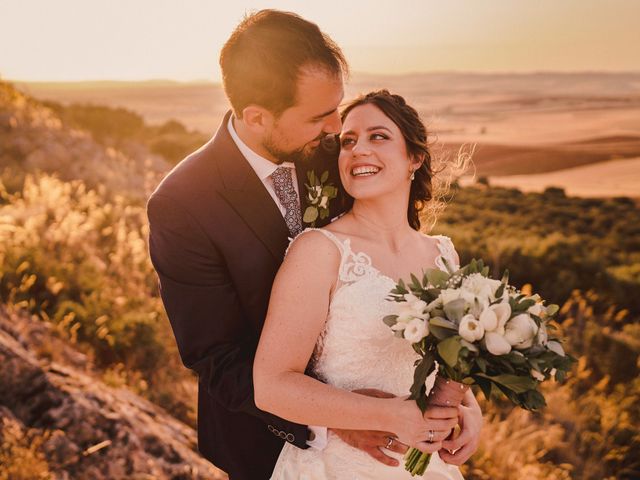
x: 414, y: 429
x: 375, y: 443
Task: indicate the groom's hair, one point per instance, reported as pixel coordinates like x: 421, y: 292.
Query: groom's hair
x: 263, y: 58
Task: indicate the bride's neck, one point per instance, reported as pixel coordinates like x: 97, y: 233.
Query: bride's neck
x: 387, y: 223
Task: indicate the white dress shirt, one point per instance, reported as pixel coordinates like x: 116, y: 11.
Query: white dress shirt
x: 264, y: 168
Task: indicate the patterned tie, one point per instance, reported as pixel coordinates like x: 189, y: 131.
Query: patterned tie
x: 286, y: 193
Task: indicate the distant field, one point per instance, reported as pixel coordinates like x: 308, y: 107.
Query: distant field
x: 520, y: 123
x: 616, y: 178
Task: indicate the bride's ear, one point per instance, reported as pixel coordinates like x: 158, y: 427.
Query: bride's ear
x: 417, y: 161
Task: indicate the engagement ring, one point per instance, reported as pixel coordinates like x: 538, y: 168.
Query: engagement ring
x: 390, y: 442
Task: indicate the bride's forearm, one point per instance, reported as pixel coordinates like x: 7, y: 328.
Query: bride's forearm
x: 302, y: 399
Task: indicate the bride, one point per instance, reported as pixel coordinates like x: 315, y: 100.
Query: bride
x: 328, y: 301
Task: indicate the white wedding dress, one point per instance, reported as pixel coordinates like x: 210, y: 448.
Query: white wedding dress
x: 357, y: 350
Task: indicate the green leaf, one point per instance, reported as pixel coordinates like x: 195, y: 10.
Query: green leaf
x: 470, y: 346
x: 500, y: 291
x: 455, y: 309
x: 505, y: 277
x: 330, y: 191
x: 552, y: 309
x: 441, y: 333
x: 390, y: 320
x: 422, y: 371
x: 310, y: 215
x: 525, y: 304
x: 482, y: 364
x: 324, y: 213
x: 324, y: 177
x: 449, y: 350
x: 436, y: 277
x: 516, y: 358
x: 485, y: 386
x: 514, y: 383
x: 533, y: 400
x: 442, y: 322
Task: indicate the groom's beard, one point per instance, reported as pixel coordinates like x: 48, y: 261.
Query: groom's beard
x: 328, y: 143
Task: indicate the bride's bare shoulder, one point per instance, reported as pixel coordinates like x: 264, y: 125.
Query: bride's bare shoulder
x: 312, y: 245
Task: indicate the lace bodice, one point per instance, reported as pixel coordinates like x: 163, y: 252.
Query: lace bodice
x: 357, y: 350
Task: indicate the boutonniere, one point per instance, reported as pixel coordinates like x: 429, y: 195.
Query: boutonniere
x: 319, y: 194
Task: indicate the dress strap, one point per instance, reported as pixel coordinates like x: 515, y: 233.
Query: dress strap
x: 342, y: 248
x: 352, y: 265
x: 447, y: 252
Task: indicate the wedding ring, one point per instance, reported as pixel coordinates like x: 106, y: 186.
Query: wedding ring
x: 390, y: 442
x: 431, y: 435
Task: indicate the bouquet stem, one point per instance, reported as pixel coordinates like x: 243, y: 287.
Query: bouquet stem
x: 445, y: 393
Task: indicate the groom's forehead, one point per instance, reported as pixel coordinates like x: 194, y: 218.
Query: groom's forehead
x: 319, y: 95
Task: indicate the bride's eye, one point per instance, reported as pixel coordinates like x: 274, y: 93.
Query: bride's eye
x: 379, y: 136
x: 346, y: 142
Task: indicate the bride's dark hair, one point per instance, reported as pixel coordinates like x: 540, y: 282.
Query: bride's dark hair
x: 424, y: 191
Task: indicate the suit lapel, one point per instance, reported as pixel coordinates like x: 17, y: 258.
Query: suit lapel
x: 246, y: 193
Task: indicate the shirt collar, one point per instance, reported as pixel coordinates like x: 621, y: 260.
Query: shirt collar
x: 262, y: 166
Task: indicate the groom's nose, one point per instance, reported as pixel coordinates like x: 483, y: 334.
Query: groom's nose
x: 333, y: 124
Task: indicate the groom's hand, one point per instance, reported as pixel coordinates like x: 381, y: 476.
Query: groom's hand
x: 371, y: 441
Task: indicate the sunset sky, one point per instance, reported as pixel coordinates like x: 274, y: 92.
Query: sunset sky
x: 181, y: 40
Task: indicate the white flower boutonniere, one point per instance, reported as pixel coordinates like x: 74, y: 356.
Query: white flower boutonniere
x: 319, y: 194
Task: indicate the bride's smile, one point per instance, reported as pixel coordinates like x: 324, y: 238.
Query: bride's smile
x: 373, y: 161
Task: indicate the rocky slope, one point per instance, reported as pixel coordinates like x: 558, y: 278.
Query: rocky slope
x: 58, y: 420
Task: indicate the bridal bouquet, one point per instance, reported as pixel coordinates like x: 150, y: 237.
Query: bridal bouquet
x: 479, y: 331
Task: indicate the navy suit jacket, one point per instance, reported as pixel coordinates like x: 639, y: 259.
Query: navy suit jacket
x: 216, y: 241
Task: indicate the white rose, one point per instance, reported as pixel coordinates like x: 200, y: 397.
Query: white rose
x: 481, y: 286
x: 400, y: 324
x: 520, y: 331
x: 414, y: 307
x: 323, y: 202
x: 496, y: 343
x: 450, y: 294
x: 416, y: 330
x: 470, y: 328
x: 318, y: 190
x: 495, y: 317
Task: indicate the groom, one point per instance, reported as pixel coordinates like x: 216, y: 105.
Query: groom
x: 220, y: 224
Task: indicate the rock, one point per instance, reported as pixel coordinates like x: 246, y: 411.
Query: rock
x: 85, y: 428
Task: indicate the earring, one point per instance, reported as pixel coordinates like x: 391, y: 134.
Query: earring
x: 413, y: 175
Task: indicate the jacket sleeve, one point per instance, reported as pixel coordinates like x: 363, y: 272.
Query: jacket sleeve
x: 205, y: 314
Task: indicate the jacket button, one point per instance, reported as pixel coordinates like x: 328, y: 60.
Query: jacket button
x: 290, y: 438
x: 270, y: 427
x: 282, y: 435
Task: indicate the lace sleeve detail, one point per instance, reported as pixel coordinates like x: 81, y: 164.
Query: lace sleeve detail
x: 327, y: 234
x: 447, y: 252
x: 352, y: 265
